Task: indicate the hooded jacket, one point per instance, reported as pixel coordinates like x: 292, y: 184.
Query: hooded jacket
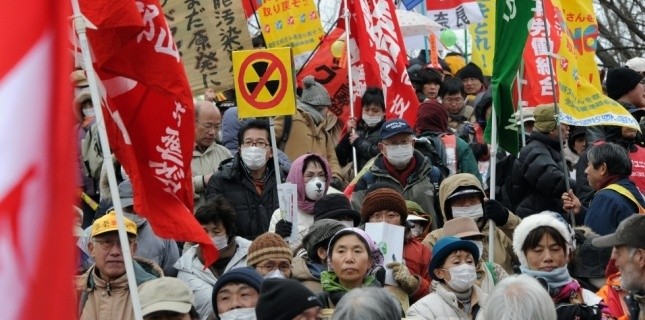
x: 300, y: 270
x: 442, y: 304
x: 503, y: 234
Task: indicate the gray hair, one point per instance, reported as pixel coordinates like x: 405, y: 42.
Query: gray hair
x: 520, y: 297
x: 615, y: 156
x: 368, y: 304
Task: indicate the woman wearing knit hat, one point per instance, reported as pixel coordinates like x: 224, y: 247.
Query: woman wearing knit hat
x: 455, y: 294
x: 543, y: 243
x: 312, y: 176
x: 307, y: 129
x: 387, y: 205
x: 352, y: 259
x: 236, y: 294
x: 270, y: 256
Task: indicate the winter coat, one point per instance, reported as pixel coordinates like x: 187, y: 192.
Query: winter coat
x: 103, y: 300
x: 304, y: 221
x: 442, y: 304
x: 252, y: 210
x: 608, y: 208
x: 200, y: 281
x: 614, y: 297
x: 503, y: 242
x: 417, y: 260
x: 366, y: 145
x: 419, y: 188
x: 300, y: 271
x: 307, y: 137
x: 539, y: 176
x: 466, y: 162
x: 204, y: 164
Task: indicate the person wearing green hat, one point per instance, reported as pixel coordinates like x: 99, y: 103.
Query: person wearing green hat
x: 455, y: 294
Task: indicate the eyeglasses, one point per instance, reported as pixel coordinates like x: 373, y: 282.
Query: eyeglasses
x: 251, y: 143
x: 209, y: 125
x: 107, y: 244
x: 283, y: 267
x: 388, y: 216
x: 455, y: 100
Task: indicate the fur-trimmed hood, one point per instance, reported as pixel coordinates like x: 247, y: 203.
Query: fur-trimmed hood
x: 528, y: 224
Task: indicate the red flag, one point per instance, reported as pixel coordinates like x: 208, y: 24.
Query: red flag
x: 149, y: 112
x: 36, y: 163
x: 379, y: 59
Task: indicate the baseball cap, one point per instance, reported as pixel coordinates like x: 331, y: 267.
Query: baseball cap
x: 629, y: 232
x: 108, y: 223
x: 394, y: 127
x: 165, y: 294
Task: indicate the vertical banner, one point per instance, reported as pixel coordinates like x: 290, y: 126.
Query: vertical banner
x: 294, y: 24
x: 454, y: 14
x: 206, y: 33
x: 583, y: 28
x: 483, y: 37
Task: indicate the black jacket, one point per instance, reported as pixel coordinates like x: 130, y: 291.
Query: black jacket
x: 366, y: 145
x: 252, y: 211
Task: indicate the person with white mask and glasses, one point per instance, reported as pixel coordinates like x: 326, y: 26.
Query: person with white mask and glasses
x: 462, y: 195
x: 270, y: 256
x: 217, y: 217
x: 248, y: 180
x: 399, y: 164
x: 312, y: 176
x: 455, y: 294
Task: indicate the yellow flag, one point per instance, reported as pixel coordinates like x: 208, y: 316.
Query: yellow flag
x: 583, y: 27
x: 483, y: 37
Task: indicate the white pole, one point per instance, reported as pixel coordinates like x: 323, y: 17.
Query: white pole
x: 521, y: 103
x: 492, y: 185
x: 80, y: 28
x: 274, y: 149
x: 349, y: 78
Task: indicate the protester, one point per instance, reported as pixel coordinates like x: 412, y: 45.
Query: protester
x: 208, y: 154
x: 286, y: 299
x: 543, y: 243
x: 455, y: 295
x: 473, y: 80
x: 353, y: 257
x: 270, y: 256
x: 103, y: 290
x: 312, y: 176
x: 461, y: 116
x: 217, y: 217
x: 249, y: 181
x: 520, y: 297
x: 418, y: 221
x: 236, y: 293
x: 629, y: 253
x: 167, y: 298
x: 576, y: 146
x: 368, y: 304
x: 336, y: 206
x: 426, y: 82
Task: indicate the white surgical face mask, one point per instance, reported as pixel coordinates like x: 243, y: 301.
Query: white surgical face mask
x: 475, y: 211
x: 399, y: 155
x: 416, y: 230
x: 254, y: 157
x: 371, y: 121
x: 277, y: 274
x: 347, y: 223
x: 480, y: 247
x: 315, y: 189
x: 220, y: 242
x: 88, y: 112
x: 239, y: 314
x: 462, y: 277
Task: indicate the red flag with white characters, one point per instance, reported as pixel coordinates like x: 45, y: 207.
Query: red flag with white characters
x: 149, y: 112
x: 37, y: 251
x: 378, y: 57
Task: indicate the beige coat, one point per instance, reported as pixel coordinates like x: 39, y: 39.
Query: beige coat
x: 204, y: 164
x: 442, y: 304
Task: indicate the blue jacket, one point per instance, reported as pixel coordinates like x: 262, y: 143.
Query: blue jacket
x: 608, y: 208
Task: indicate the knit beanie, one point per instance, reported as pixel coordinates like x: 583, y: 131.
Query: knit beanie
x: 320, y: 231
x: 246, y: 275
x: 432, y: 116
x: 532, y: 222
x: 284, y: 299
x: 267, y: 246
x: 544, y: 118
x: 471, y: 70
x: 335, y: 206
x: 384, y: 199
x: 620, y: 81
x: 314, y: 93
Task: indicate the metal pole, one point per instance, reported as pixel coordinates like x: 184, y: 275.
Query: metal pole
x: 80, y: 28
x: 349, y: 78
x: 493, y: 172
x: 274, y: 149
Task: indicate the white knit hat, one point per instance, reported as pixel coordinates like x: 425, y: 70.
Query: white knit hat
x: 528, y: 224
x: 637, y: 64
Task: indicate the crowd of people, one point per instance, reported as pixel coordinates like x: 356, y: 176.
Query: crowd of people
x: 563, y: 219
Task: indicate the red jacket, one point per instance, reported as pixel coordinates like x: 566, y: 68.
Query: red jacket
x: 417, y: 259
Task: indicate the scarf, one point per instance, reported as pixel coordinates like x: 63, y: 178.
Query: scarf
x: 295, y: 177
x: 401, y: 176
x: 555, y: 279
x: 330, y: 282
x: 612, y: 178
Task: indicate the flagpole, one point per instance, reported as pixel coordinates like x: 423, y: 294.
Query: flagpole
x: 557, y: 113
x: 519, y: 80
x: 349, y: 79
x: 274, y: 148
x: 491, y: 185
x: 80, y: 28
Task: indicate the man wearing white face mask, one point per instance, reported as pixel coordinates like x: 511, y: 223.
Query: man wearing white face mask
x: 365, y: 137
x: 236, y: 294
x: 400, y: 165
x: 217, y: 217
x: 248, y: 180
x: 462, y: 195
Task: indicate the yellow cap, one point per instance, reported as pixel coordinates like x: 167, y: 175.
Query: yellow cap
x: 107, y: 223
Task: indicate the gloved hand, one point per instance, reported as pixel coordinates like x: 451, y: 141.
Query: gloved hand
x: 406, y: 281
x: 283, y: 228
x: 336, y: 183
x: 495, y: 211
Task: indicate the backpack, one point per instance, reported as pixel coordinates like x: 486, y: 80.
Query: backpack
x: 432, y: 147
